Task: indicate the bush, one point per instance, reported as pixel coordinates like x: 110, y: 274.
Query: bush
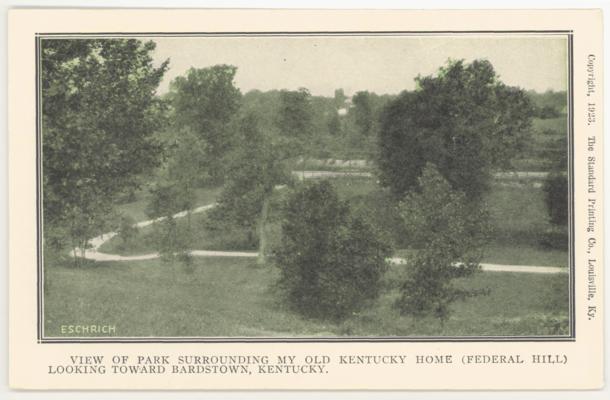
x: 127, y: 231
x: 450, y: 233
x: 331, y: 263
x: 173, y: 241
x: 548, y: 112
x: 556, y: 197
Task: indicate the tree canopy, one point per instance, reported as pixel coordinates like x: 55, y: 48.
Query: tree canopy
x: 254, y: 168
x: 205, y: 101
x: 99, y: 113
x: 463, y: 119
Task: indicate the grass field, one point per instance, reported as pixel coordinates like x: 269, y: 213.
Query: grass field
x: 233, y: 297
x: 137, y: 209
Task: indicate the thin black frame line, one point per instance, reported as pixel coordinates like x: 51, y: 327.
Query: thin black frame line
x: 402, y: 339
x: 300, y: 33
x: 368, y: 339
x: 39, y: 259
x: 571, y: 185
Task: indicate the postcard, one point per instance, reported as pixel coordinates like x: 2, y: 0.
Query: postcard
x: 305, y: 199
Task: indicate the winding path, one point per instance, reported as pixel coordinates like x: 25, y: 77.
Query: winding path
x: 93, y: 253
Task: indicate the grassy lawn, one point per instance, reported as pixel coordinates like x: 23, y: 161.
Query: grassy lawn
x: 519, y: 224
x: 233, y: 297
x: 203, y: 239
x: 136, y: 209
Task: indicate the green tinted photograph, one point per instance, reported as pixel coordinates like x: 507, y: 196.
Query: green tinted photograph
x: 345, y: 186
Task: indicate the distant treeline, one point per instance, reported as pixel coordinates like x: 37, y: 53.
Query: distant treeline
x: 549, y: 104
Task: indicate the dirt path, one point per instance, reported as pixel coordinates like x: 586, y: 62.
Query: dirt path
x: 94, y: 254
x: 517, y: 175
x: 534, y: 269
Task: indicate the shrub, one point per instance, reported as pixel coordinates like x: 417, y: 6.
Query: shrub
x: 173, y: 241
x: 127, y: 231
x: 450, y: 233
x: 556, y: 197
x: 331, y: 263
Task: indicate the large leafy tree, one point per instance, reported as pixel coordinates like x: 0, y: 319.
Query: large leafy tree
x: 295, y: 119
x: 362, y: 113
x: 99, y: 111
x: 331, y: 262
x: 464, y: 120
x: 205, y: 101
x: 255, y: 167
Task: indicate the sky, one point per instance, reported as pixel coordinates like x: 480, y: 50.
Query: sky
x: 381, y: 64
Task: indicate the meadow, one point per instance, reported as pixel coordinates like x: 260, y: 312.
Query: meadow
x: 218, y: 296
x: 235, y: 297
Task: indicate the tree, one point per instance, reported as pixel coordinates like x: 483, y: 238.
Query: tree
x: 450, y: 232
x: 556, y: 186
x: 205, y: 101
x: 334, y: 124
x: 339, y: 98
x: 173, y: 240
x: 362, y: 113
x: 99, y: 113
x: 464, y: 120
x: 256, y: 166
x: 555, y: 190
x: 126, y: 232
x: 331, y: 263
x: 295, y: 118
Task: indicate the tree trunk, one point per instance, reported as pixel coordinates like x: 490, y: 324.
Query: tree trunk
x: 262, y: 240
x: 75, y: 256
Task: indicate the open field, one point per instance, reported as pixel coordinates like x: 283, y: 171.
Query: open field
x: 233, y: 297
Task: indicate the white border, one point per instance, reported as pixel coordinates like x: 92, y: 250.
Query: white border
x: 327, y: 4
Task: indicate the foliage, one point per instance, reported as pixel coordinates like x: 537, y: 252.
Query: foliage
x: 331, y: 263
x: 172, y: 240
x: 99, y: 112
x: 556, y: 197
x: 256, y: 166
x: 450, y: 234
x: 339, y: 98
x: 127, y: 231
x: 555, y: 187
x: 555, y: 100
x: 362, y: 113
x: 334, y: 124
x: 295, y: 118
x: 205, y: 101
x: 547, y: 112
x: 464, y: 120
